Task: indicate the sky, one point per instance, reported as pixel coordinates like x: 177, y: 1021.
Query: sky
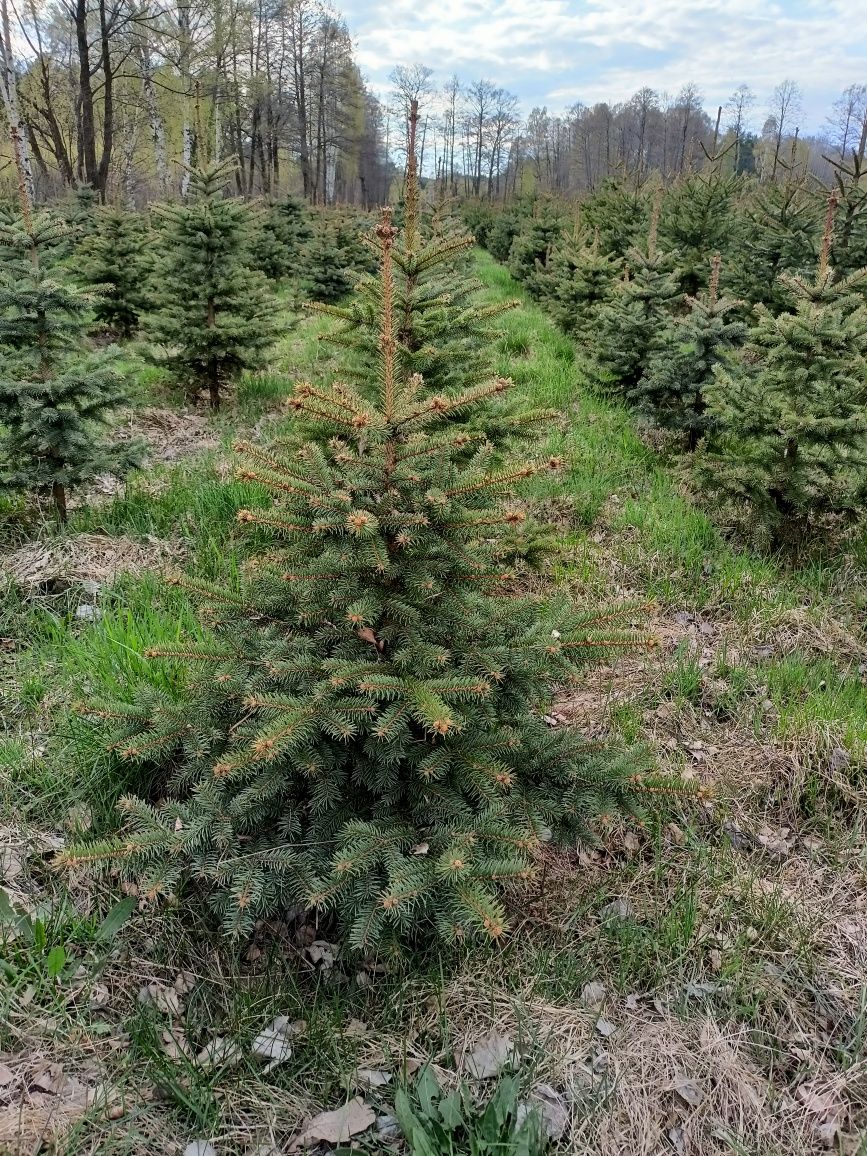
x: 557, y: 52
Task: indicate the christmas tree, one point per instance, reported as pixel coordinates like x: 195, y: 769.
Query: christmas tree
x: 779, y: 235
x: 56, y: 398
x: 635, y: 322
x: 501, y: 233
x: 530, y: 248
x: 791, y: 413
x: 698, y: 219
x: 671, y: 391
x: 328, y: 276
x: 213, y: 316
x: 579, y: 278
x: 620, y: 215
x: 113, y: 262
x: 280, y: 232
x: 849, y: 246
x: 365, y: 735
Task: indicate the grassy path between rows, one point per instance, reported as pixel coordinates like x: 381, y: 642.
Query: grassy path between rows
x: 697, y: 987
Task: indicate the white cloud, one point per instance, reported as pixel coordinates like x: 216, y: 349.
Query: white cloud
x: 559, y: 51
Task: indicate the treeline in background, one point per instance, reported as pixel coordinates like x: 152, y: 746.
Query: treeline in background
x: 125, y: 97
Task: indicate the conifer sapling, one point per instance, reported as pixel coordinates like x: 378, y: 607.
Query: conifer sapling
x: 56, y: 397
x: 671, y: 393
x: 364, y: 733
x: 213, y: 316
x: 791, y: 411
x: 112, y: 262
x: 632, y: 326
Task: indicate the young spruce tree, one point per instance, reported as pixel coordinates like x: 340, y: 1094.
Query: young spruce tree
x: 214, y: 316
x: 791, y: 413
x: 56, y: 397
x: 780, y: 235
x: 671, y: 393
x: 112, y: 260
x: 578, y: 280
x: 279, y: 233
x: 634, y: 324
x: 365, y: 735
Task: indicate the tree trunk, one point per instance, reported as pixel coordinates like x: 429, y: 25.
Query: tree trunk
x: 158, y: 132
x: 9, y: 87
x: 58, y: 498
x: 107, y: 103
x: 213, y: 367
x: 87, y: 119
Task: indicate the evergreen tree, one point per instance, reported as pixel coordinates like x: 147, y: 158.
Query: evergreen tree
x: 530, y: 248
x: 328, y: 277
x: 791, y: 413
x: 480, y: 218
x: 578, y: 280
x: 280, y: 232
x: 779, y: 235
x: 672, y: 391
x: 113, y: 263
x: 634, y: 324
x: 501, y: 234
x: 214, y: 316
x: 366, y: 735
x: 55, y: 396
x: 619, y: 213
x: 698, y: 219
x: 849, y: 246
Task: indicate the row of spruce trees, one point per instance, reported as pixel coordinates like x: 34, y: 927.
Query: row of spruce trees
x: 191, y: 279
x: 361, y: 732
x: 728, y: 315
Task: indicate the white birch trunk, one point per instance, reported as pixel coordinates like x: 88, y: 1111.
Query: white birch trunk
x: 17, y: 133
x: 155, y: 121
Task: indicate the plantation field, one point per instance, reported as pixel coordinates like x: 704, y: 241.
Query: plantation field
x: 696, y: 986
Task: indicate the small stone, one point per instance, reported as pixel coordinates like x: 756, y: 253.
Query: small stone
x: 387, y: 1127
x: 200, y: 1148
x: 593, y: 994
x: 618, y: 909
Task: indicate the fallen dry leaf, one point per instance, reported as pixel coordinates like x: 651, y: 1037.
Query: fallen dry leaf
x: 355, y: 1030
x: 185, y: 982
x: 618, y: 909
x: 220, y: 1052
x: 605, y: 1027
x: 690, y: 1091
x: 340, y: 1125
x: 323, y: 953
x: 816, y: 1102
x: 273, y: 1042
x: 489, y: 1056
x: 552, y: 1108
x: 200, y: 1148
x: 11, y: 864
x: 6, y: 1076
x: 164, y: 999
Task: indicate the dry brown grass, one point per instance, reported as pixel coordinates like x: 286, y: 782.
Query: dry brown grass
x: 101, y: 558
